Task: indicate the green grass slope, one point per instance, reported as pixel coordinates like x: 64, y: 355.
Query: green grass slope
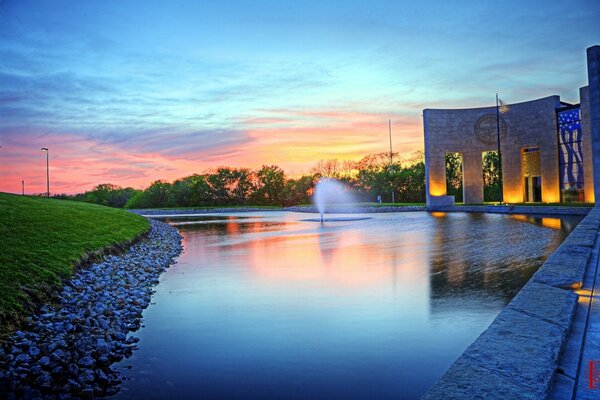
x: 42, y: 240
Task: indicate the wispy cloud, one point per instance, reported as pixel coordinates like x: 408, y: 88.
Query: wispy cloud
x: 135, y: 91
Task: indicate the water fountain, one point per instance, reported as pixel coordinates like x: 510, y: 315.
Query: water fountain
x: 329, y: 192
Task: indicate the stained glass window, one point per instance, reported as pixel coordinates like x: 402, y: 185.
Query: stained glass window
x: 570, y: 155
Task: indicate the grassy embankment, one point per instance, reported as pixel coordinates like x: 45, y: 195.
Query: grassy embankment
x: 43, y: 240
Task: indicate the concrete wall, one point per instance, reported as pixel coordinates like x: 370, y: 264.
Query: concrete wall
x: 586, y: 131
x: 593, y: 59
x: 472, y: 131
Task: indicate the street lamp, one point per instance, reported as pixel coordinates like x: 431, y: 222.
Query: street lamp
x: 44, y: 149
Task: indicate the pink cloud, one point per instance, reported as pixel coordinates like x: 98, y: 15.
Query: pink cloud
x: 78, y: 163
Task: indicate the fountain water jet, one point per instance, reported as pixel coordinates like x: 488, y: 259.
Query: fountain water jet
x: 331, y: 192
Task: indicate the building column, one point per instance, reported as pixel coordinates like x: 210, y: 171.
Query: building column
x: 472, y: 177
x: 593, y: 59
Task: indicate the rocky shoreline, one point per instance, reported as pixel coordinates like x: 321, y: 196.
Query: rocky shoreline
x: 66, y: 351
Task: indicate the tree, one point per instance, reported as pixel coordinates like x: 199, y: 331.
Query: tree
x: 492, y: 184
x: 107, y: 194
x: 298, y: 191
x: 454, y: 176
x: 220, y: 184
x: 270, y: 185
x: 156, y: 195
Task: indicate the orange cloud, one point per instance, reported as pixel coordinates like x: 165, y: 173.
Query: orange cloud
x: 294, y: 140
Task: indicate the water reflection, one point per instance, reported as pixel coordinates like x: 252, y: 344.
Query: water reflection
x: 268, y: 306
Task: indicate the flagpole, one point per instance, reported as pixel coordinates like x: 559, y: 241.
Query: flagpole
x: 391, y: 156
x: 499, y: 154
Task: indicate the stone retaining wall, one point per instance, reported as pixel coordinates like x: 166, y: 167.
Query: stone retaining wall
x: 517, y: 355
x: 508, y: 209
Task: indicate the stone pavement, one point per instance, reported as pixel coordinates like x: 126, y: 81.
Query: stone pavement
x: 572, y: 380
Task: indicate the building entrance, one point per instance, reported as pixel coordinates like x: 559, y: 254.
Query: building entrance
x: 532, y: 175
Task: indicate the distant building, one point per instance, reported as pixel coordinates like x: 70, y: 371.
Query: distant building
x: 546, y: 147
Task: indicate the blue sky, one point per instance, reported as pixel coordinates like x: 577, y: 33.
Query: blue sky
x: 132, y: 91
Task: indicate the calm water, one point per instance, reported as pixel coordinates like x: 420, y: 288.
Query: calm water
x: 267, y: 306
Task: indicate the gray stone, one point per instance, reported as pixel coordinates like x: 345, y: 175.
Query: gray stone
x: 561, y: 275
x: 86, y: 376
x: 581, y: 238
x: 565, y: 268
x: 547, y: 303
x: 44, y: 380
x: 22, y: 358
x: 593, y: 64
x: 468, y: 379
x: 521, y: 348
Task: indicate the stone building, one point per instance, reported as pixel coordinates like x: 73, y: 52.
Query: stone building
x: 545, y: 144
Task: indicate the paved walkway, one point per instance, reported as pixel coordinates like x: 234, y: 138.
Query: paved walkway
x: 572, y: 381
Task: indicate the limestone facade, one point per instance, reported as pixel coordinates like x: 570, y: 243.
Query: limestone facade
x: 593, y: 58
x: 524, y: 126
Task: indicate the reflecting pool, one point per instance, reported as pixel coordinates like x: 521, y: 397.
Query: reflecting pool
x: 270, y: 306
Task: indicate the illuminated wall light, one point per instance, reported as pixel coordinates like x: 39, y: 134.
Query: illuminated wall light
x: 513, y: 195
x: 551, y: 197
x: 437, y: 187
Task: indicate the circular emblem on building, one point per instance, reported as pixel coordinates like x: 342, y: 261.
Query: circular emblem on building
x: 486, y: 131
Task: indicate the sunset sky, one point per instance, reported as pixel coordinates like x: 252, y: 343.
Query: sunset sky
x: 128, y: 92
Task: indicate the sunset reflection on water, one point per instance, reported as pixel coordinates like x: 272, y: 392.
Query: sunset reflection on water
x: 271, y: 306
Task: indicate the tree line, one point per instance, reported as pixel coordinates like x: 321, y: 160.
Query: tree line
x: 366, y: 179
x: 492, y: 181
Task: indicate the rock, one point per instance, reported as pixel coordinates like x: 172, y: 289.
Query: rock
x: 102, y: 346
x: 34, y: 351
x: 58, y: 356
x: 31, y: 394
x: 97, y: 308
x: 102, y: 378
x: 57, y: 370
x: 22, y: 358
x: 44, y: 361
x: 36, y: 369
x: 132, y: 340
x: 87, y: 362
x: 88, y: 391
x: 44, y: 381
x: 87, y: 376
x: 73, y: 369
x: 20, y: 370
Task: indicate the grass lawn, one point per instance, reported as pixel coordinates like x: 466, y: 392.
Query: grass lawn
x: 44, y: 239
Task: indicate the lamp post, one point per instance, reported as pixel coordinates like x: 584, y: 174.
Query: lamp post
x: 45, y: 149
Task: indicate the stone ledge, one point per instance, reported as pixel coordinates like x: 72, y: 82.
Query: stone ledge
x: 560, y: 275
x: 468, y: 379
x: 547, y: 303
x: 565, y: 268
x: 508, y: 209
x: 518, y: 354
